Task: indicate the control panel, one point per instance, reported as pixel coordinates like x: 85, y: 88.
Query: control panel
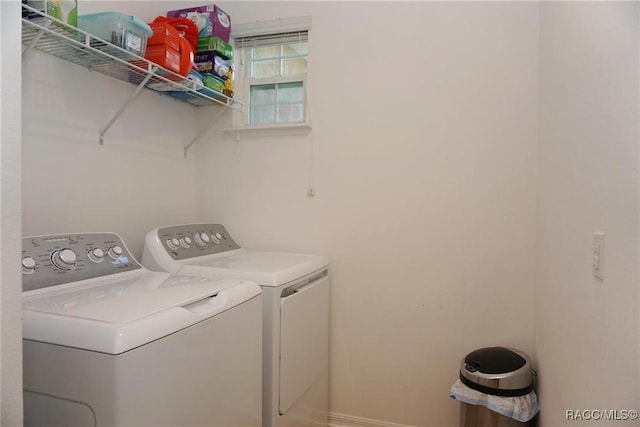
x: 57, y: 259
x: 195, y: 240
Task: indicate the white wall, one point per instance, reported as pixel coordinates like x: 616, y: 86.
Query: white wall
x: 10, y: 289
x: 424, y: 162
x: 136, y: 181
x: 587, y: 330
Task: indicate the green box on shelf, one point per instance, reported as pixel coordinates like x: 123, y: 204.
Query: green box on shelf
x: 213, y: 82
x: 216, y: 44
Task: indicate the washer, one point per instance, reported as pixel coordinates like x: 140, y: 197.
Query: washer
x: 296, y: 312
x: 109, y: 343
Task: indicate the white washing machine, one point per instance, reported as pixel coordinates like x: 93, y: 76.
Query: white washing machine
x: 107, y: 343
x: 296, y: 312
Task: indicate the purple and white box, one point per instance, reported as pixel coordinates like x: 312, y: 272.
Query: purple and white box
x: 210, y: 19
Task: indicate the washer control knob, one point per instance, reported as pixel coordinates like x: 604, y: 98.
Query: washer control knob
x: 64, y: 259
x: 185, y: 242
x: 201, y: 239
x: 173, y: 243
x: 215, y: 238
x: 96, y: 255
x: 115, y: 252
x: 28, y: 264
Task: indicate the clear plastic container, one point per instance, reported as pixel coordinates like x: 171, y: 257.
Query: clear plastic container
x: 125, y: 31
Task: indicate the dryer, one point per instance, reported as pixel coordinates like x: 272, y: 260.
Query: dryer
x: 296, y: 312
x: 107, y: 343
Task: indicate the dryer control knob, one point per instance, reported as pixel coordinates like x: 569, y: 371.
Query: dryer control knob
x: 96, y: 255
x: 201, y: 239
x: 28, y: 264
x: 215, y: 239
x: 185, y: 242
x: 115, y: 252
x: 64, y: 259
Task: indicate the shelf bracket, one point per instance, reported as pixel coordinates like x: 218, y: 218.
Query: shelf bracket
x: 128, y: 102
x: 204, y: 131
x: 27, y: 50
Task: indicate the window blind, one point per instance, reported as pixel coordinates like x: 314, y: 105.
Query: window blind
x: 272, y: 39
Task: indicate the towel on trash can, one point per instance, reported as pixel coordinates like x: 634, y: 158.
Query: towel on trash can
x: 521, y: 408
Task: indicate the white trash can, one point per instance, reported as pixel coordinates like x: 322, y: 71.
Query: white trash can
x: 495, y: 389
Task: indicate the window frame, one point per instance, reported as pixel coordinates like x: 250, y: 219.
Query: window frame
x: 243, y: 81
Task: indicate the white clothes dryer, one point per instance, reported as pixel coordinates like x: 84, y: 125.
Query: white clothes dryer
x: 107, y: 343
x: 296, y: 312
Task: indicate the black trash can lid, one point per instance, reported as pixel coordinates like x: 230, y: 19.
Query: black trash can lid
x: 497, y: 370
x: 495, y: 360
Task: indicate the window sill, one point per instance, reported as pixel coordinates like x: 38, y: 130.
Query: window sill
x: 269, y: 130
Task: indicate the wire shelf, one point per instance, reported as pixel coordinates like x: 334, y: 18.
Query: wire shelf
x: 54, y: 37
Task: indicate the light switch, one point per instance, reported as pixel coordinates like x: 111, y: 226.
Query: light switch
x: 598, y: 255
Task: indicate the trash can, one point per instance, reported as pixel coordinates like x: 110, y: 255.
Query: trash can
x: 495, y: 389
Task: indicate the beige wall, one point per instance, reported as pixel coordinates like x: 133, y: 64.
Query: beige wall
x: 587, y: 330
x: 424, y: 122
x: 424, y: 158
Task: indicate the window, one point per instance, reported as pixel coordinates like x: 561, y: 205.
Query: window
x: 271, y: 70
x: 276, y: 103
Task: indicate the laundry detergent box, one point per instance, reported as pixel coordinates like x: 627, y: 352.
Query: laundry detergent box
x: 165, y: 34
x: 210, y: 19
x: 211, y: 62
x: 213, y: 82
x: 216, y: 44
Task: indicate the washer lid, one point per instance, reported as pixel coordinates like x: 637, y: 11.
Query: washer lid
x: 265, y: 268
x: 116, y: 314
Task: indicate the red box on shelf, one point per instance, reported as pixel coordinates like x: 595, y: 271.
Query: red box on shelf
x: 164, y: 56
x: 164, y: 33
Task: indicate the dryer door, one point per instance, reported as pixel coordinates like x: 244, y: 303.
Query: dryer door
x: 304, y: 338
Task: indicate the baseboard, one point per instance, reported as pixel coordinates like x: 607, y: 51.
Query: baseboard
x: 344, y: 420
